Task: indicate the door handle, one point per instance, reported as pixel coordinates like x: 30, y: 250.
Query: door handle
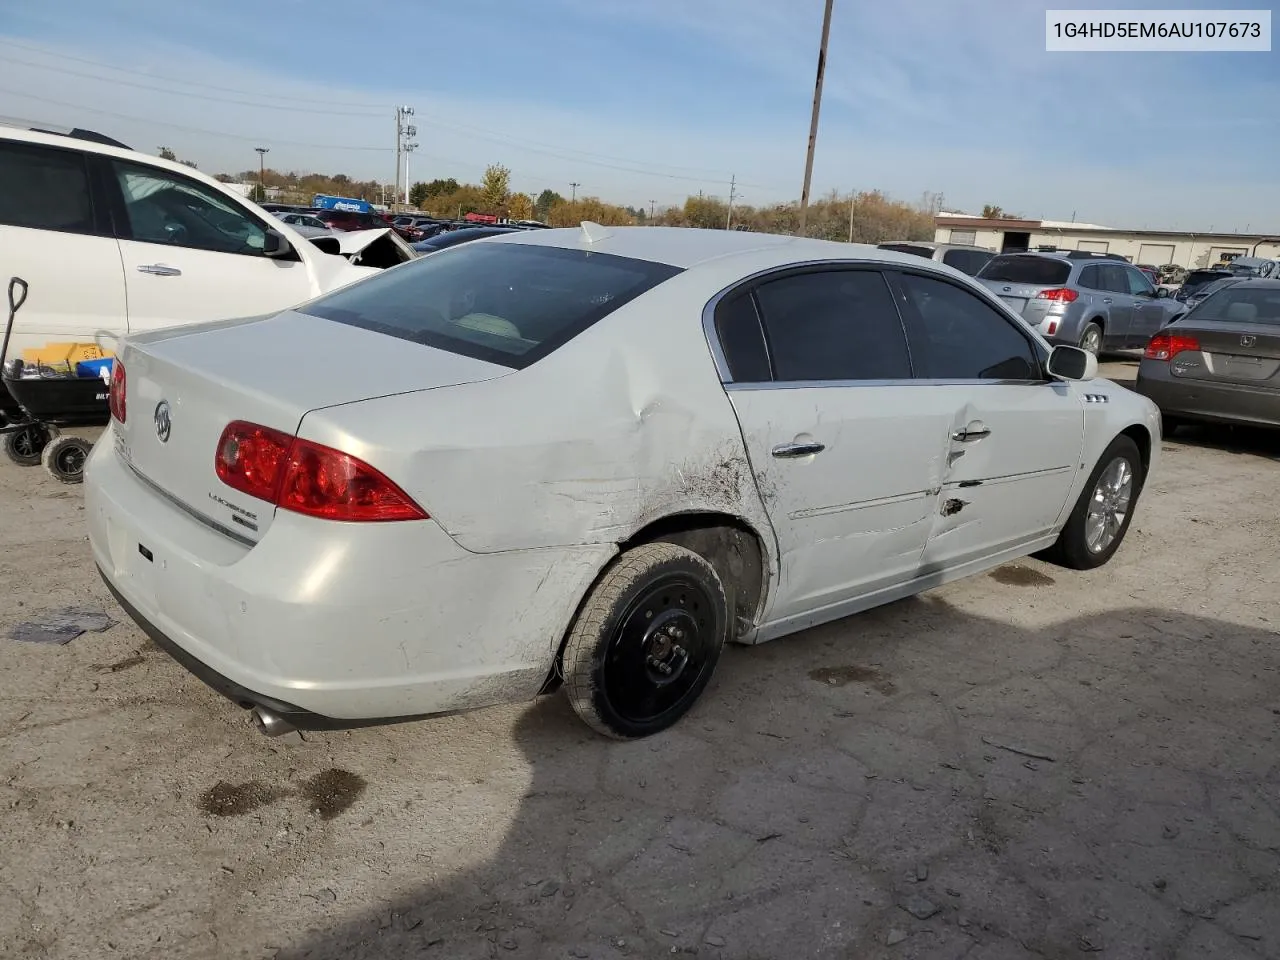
x: 159, y: 270
x: 966, y: 435
x: 791, y: 450
x: 1106, y: 299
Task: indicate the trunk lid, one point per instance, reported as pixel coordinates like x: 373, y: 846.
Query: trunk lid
x: 271, y: 372
x: 1241, y: 353
x: 1019, y: 279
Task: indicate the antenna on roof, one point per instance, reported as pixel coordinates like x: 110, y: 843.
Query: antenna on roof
x: 592, y: 231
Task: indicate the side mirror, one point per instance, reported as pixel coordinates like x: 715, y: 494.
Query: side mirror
x: 1162, y: 293
x: 1071, y: 363
x: 274, y: 244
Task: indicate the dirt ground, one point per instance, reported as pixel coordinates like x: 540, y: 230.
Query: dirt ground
x: 1034, y: 763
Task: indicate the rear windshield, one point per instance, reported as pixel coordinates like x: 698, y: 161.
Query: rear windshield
x: 966, y: 261
x: 1240, y: 304
x: 506, y: 303
x: 1198, y: 278
x: 1038, y: 271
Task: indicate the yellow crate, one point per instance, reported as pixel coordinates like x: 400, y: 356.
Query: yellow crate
x: 70, y: 354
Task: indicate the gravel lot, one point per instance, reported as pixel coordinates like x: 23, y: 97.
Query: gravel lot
x: 1034, y: 763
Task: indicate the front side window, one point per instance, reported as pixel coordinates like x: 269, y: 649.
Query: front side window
x: 505, y: 303
x: 1139, y: 284
x: 963, y: 337
x: 44, y: 188
x: 166, y: 208
x: 833, y: 325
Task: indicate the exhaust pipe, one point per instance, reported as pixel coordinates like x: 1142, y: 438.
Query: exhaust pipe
x: 271, y: 724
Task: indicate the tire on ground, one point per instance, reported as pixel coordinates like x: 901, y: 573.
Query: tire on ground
x: 63, y: 458
x: 1071, y: 549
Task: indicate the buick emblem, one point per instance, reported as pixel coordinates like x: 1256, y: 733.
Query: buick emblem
x: 163, y: 424
x: 1247, y: 341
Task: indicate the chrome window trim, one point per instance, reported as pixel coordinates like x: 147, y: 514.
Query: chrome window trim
x: 971, y: 285
x: 822, y: 384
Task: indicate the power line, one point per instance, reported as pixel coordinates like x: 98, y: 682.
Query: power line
x: 189, y: 83
x: 179, y: 126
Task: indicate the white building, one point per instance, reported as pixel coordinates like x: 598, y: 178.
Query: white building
x: 1154, y: 247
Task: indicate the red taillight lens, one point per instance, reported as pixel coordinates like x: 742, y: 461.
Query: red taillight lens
x: 116, y: 392
x: 307, y: 477
x: 1166, y: 346
x: 1058, y: 295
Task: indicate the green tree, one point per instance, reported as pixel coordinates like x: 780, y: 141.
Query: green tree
x: 495, y: 186
x: 992, y: 212
x: 257, y: 194
x: 546, y: 200
x: 441, y: 188
x: 418, y: 194
x: 520, y: 207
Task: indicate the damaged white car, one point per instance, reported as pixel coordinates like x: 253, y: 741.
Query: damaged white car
x: 112, y: 241
x: 588, y: 456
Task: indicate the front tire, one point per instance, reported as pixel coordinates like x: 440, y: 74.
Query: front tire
x: 1097, y: 525
x: 646, y: 641
x: 24, y: 446
x: 64, y: 458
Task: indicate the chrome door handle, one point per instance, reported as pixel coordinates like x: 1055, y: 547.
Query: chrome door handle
x: 1106, y: 299
x: 789, y: 450
x: 160, y: 270
x: 966, y: 435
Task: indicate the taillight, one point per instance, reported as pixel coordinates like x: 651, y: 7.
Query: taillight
x: 116, y: 392
x: 1058, y: 295
x: 1166, y: 346
x: 308, y: 478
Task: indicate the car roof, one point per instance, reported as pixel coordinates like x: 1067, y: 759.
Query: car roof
x: 687, y: 247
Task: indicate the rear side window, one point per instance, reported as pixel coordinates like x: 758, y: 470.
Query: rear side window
x: 742, y: 340
x: 1037, y: 271
x: 506, y: 303
x: 1091, y: 278
x: 966, y: 261
x: 834, y: 325
x: 44, y: 188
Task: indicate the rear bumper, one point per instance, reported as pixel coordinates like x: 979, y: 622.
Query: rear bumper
x: 334, y: 624
x: 1205, y: 400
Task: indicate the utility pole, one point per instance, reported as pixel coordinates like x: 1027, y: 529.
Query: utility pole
x: 813, y: 120
x: 574, y: 188
x: 262, y: 160
x: 733, y: 182
x: 650, y: 209
x: 852, y: 197
x: 404, y: 137
x: 408, y: 149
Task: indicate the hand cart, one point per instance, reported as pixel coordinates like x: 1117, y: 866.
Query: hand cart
x: 34, y: 405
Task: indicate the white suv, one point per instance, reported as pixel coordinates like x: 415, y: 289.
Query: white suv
x: 112, y: 242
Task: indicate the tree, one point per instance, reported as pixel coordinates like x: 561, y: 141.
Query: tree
x: 224, y: 178
x: 418, y: 194
x: 257, y: 194
x: 546, y: 200
x: 520, y: 207
x: 167, y: 154
x: 992, y: 212
x: 495, y: 186
x: 440, y: 188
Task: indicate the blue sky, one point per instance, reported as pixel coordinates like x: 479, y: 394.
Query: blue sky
x: 641, y: 100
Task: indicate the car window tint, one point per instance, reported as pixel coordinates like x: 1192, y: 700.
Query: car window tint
x: 834, y: 325
x: 912, y: 248
x: 1113, y: 278
x: 1236, y: 303
x: 44, y: 188
x: 1091, y: 278
x: 964, y: 338
x: 506, y: 303
x: 170, y: 209
x: 966, y: 261
x: 1038, y: 271
x: 1139, y: 282
x: 742, y: 340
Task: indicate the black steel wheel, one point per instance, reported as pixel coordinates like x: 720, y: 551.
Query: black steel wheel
x: 64, y: 458
x: 646, y: 641
x: 24, y: 446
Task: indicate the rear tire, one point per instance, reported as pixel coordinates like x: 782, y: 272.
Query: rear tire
x: 1091, y: 338
x: 24, y: 446
x: 646, y: 641
x: 64, y: 458
x: 1096, y: 527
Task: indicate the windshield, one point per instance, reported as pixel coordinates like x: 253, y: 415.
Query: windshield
x: 1038, y: 271
x: 507, y: 303
x: 1199, y: 278
x: 1237, y: 303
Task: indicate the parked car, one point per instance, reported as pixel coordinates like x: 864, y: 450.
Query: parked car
x: 114, y: 241
x: 451, y: 238
x: 549, y: 455
x: 966, y: 259
x: 1197, y: 280
x: 1097, y: 301
x: 303, y: 220
x: 1151, y: 272
x: 352, y: 220
x: 1194, y: 300
x: 1220, y: 362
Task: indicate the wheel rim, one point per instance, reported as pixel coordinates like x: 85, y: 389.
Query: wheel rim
x: 29, y: 442
x: 1092, y: 340
x: 659, y: 649
x: 70, y: 461
x: 1109, y: 505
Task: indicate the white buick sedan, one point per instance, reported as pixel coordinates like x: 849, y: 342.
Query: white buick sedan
x: 587, y: 456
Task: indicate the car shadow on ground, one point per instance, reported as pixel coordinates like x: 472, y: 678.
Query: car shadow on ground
x: 1253, y: 441
x: 916, y: 777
